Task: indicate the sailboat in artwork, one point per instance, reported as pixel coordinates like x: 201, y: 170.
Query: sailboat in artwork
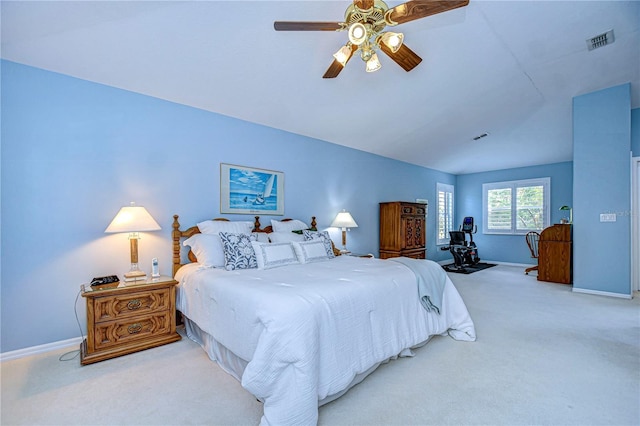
x: 266, y: 193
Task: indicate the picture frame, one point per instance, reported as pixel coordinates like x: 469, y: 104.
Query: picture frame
x: 249, y: 190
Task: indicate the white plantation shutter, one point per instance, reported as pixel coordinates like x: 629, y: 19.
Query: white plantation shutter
x: 516, y: 207
x: 445, y: 216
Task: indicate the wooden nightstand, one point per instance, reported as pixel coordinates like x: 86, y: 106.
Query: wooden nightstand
x: 128, y: 317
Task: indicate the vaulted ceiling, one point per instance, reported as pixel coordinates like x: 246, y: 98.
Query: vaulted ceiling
x: 506, y: 68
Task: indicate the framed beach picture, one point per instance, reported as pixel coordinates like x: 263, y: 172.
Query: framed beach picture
x: 247, y: 190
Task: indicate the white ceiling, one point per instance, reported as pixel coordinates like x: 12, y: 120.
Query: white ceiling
x: 509, y: 68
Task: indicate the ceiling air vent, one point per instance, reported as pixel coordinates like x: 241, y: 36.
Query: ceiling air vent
x: 484, y: 135
x: 600, y: 40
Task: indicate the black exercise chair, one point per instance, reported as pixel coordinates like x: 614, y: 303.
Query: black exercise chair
x: 465, y: 253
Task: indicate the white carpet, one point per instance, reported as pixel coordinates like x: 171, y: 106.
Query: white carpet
x: 544, y: 356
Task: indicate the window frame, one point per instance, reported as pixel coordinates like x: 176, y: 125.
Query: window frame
x: 448, y: 215
x: 513, y: 185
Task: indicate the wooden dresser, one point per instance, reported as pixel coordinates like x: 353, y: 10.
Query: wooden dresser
x: 403, y: 230
x: 128, y: 317
x: 554, y: 254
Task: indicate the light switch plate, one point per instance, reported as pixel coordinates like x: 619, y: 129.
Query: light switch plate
x: 607, y: 217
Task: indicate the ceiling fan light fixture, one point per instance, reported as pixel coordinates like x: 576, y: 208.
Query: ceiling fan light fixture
x: 343, y: 55
x: 392, y: 40
x: 373, y: 64
x: 357, y: 33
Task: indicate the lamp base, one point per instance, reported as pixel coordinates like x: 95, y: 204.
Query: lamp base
x: 134, y: 274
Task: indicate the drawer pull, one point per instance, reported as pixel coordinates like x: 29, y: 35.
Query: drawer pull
x: 134, y: 328
x: 134, y: 304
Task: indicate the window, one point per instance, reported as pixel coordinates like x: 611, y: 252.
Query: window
x: 516, y: 207
x: 445, y: 212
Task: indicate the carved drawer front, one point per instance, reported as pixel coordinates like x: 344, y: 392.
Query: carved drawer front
x: 408, y: 210
x: 119, y: 332
x: 114, y: 307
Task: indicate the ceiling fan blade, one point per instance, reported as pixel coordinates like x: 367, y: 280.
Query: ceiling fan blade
x: 363, y: 4
x: 417, y: 9
x: 336, y: 67
x: 333, y: 70
x: 404, y: 57
x: 307, y: 26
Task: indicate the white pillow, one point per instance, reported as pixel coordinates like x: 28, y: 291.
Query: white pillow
x: 285, y: 237
x: 261, y: 237
x: 310, y: 251
x: 207, y: 248
x: 218, y: 226
x: 274, y: 255
x: 288, y: 226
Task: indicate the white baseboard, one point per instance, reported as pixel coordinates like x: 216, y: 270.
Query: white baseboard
x: 520, y: 265
x: 33, y: 350
x: 602, y: 293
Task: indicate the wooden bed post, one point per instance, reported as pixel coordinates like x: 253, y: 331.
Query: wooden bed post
x: 175, y: 235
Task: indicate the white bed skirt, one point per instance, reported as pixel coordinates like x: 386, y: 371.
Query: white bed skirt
x: 235, y: 365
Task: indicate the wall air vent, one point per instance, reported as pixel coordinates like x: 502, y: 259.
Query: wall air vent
x: 600, y: 40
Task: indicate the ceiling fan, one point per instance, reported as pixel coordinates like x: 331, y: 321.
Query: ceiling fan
x: 365, y: 22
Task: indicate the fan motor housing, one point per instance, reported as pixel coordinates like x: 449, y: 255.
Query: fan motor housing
x: 373, y: 17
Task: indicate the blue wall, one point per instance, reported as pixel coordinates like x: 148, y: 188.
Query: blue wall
x: 635, y: 132
x: 602, y: 184
x: 510, y: 248
x: 74, y: 152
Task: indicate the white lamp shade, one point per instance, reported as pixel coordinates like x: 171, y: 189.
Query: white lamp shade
x: 357, y: 33
x: 343, y: 55
x: 373, y: 64
x: 344, y: 220
x: 133, y: 219
x: 392, y: 40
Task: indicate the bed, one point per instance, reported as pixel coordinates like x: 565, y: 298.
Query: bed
x: 298, y: 331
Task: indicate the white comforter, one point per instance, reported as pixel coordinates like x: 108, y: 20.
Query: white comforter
x: 308, y: 330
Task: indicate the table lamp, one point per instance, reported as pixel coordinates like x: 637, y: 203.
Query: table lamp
x: 133, y: 219
x: 344, y: 220
x: 570, y: 212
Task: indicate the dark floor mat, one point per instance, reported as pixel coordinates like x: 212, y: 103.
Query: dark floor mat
x: 468, y: 269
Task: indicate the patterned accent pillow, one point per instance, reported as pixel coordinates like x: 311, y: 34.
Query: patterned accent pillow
x: 238, y: 251
x: 320, y: 235
x: 274, y: 254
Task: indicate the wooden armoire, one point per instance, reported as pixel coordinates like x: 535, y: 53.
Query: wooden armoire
x: 403, y: 230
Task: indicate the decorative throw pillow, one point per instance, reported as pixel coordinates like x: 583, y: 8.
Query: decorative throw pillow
x: 311, y: 251
x: 321, y: 235
x: 207, y: 248
x: 238, y: 251
x: 274, y: 255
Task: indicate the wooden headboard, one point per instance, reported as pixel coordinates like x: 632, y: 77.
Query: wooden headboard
x: 177, y: 235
